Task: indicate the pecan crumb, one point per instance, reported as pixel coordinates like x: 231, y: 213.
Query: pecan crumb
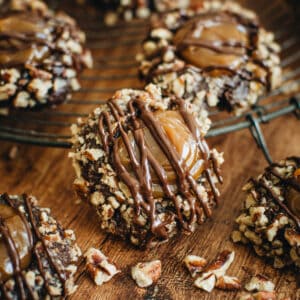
x: 146, y: 273
x: 98, y: 266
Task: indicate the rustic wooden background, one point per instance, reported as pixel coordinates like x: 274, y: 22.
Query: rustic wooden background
x: 47, y: 173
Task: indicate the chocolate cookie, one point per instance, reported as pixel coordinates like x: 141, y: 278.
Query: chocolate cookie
x: 41, y: 54
x: 212, y: 54
x: 270, y: 220
x: 144, y: 164
x: 37, y: 256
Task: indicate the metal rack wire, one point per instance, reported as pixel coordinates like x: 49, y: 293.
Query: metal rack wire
x: 114, y: 51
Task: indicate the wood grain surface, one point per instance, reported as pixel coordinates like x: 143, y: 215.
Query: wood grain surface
x: 47, y: 173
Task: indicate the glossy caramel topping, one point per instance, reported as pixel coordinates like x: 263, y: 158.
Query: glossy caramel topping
x: 213, y: 40
x: 20, y: 24
x: 23, y: 39
x: 15, y: 242
x: 219, y: 42
x: 180, y: 138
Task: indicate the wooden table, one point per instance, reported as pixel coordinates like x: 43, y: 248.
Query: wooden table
x: 48, y: 174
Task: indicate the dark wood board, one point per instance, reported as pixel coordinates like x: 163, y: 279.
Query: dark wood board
x: 47, y: 173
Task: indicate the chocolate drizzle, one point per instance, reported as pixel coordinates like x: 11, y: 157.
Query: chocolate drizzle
x: 140, y: 180
x: 286, y: 182
x: 37, y: 243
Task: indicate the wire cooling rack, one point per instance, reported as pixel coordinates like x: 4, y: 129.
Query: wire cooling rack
x: 114, y: 50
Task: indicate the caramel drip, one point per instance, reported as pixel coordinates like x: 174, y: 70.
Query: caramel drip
x: 140, y: 183
x: 27, y: 293
x: 287, y: 182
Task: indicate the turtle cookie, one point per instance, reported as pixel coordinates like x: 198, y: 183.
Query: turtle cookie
x: 41, y: 56
x: 270, y: 220
x: 144, y: 164
x: 38, y: 258
x: 213, y: 54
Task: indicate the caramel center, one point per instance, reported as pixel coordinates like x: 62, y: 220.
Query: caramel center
x: 212, y: 40
x: 182, y: 140
x: 21, y: 238
x: 19, y: 24
x: 24, y: 40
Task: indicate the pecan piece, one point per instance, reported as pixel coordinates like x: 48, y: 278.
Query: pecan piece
x: 220, y: 265
x: 146, y: 273
x: 228, y: 283
x: 195, y: 264
x: 260, y: 283
x: 206, y: 283
x: 98, y: 266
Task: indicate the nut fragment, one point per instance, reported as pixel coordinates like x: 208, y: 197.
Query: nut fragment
x: 265, y: 296
x: 98, y: 266
x: 195, y: 264
x: 220, y: 265
x: 214, y: 274
x: 260, y: 283
x: 246, y: 296
x: 228, y: 283
x: 259, y: 296
x: 146, y: 273
x: 206, y: 283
